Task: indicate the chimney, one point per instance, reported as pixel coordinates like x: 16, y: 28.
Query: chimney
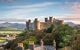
x: 50, y: 19
x: 20, y: 46
x: 46, y: 19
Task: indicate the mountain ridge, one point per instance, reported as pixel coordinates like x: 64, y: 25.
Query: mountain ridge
x: 13, y: 25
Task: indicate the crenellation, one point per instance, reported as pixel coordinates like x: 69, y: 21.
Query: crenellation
x: 28, y: 24
x: 50, y: 19
x: 38, y: 25
x: 46, y: 19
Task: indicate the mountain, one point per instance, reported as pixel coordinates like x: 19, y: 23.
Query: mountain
x: 71, y: 24
x: 13, y: 25
x: 77, y: 26
x: 8, y: 28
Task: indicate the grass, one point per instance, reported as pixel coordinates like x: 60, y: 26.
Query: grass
x: 2, y: 40
x: 10, y: 32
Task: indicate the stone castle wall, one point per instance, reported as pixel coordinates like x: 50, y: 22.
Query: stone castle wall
x: 37, y: 25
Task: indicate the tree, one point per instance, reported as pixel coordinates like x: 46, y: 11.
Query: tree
x: 49, y: 30
x: 76, y: 40
x: 63, y: 35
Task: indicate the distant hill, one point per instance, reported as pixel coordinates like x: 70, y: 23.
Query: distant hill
x: 8, y: 28
x: 20, y: 26
x: 71, y: 24
x: 7, y: 25
x: 77, y: 26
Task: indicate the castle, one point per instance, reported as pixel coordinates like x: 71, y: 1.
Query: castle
x: 37, y: 25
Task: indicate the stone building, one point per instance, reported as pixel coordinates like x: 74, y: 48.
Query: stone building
x: 20, y: 46
x: 37, y: 25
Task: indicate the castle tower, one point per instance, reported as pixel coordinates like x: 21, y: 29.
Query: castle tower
x: 28, y: 24
x: 50, y: 19
x: 36, y: 24
x: 46, y: 19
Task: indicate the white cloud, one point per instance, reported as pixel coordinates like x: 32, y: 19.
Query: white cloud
x: 20, y: 12
x: 38, y: 5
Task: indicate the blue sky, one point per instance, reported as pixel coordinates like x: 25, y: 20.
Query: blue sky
x: 21, y: 10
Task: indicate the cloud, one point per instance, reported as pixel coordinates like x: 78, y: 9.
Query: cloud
x: 75, y: 7
x: 74, y: 12
x: 20, y: 12
x: 12, y: 20
x: 17, y: 11
x: 23, y: 11
x: 74, y: 19
x: 39, y: 5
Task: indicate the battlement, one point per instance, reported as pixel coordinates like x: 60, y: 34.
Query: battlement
x: 37, y: 25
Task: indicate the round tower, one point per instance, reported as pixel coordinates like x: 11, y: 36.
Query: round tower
x: 28, y: 24
x: 36, y: 24
x: 50, y: 19
x: 46, y: 19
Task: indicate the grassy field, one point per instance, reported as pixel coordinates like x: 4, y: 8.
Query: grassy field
x: 2, y: 40
x: 10, y: 32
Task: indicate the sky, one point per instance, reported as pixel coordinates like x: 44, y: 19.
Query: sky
x: 22, y: 10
